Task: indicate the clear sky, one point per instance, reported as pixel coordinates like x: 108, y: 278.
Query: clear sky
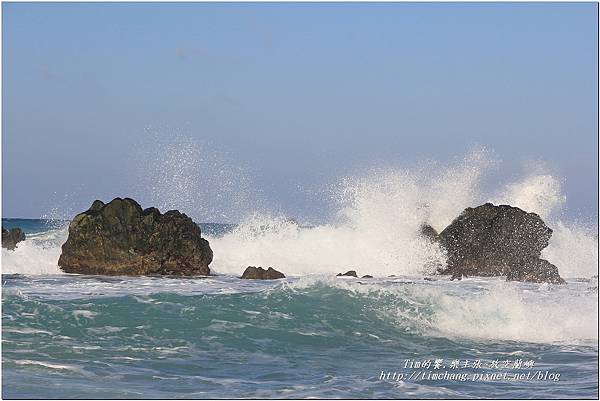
x: 291, y: 94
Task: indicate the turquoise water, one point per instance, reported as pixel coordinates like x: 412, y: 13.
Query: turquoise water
x: 75, y: 336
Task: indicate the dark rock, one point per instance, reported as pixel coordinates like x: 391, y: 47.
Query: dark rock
x: 119, y: 238
x: 457, y: 276
x: 349, y: 273
x: 494, y: 240
x: 429, y: 232
x: 367, y: 276
x: 538, y: 271
x: 10, y: 238
x: 258, y: 273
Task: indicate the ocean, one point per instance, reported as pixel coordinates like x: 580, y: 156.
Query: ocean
x: 306, y: 336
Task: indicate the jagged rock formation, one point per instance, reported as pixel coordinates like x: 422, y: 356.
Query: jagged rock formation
x: 121, y: 238
x: 500, y: 240
x: 258, y: 273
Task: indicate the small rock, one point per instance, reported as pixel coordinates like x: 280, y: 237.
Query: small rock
x: 367, y: 276
x: 10, y: 238
x: 258, y: 273
x: 457, y: 276
x: 349, y: 273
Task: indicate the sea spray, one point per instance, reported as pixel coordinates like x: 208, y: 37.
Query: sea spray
x: 538, y: 193
x: 38, y: 254
x: 375, y: 228
x: 573, y: 248
x: 450, y: 188
x: 179, y: 172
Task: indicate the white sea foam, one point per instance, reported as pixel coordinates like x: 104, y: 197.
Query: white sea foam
x: 376, y: 228
x: 38, y: 254
x: 539, y: 193
x: 82, y: 313
x: 507, y: 312
x: 47, y: 365
x: 486, y: 309
x: 574, y: 249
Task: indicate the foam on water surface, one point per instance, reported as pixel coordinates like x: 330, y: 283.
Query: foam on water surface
x: 312, y: 336
x: 129, y: 337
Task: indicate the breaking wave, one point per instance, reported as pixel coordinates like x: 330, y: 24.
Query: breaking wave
x: 374, y: 228
x: 38, y: 254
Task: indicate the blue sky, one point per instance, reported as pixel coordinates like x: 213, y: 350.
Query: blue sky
x: 292, y: 94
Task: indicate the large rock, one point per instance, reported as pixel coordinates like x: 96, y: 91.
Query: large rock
x: 349, y: 273
x: 10, y: 238
x: 500, y: 240
x: 258, y: 273
x: 120, y: 238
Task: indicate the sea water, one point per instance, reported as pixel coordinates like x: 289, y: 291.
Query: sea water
x: 406, y: 333
x: 77, y: 336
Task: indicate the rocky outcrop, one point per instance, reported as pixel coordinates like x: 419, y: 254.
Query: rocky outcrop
x: 349, y: 273
x: 258, y: 273
x: 121, y: 238
x: 10, y: 238
x: 428, y: 232
x: 500, y: 240
x: 536, y: 271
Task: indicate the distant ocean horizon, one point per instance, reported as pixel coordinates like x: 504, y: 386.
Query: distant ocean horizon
x: 35, y: 226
